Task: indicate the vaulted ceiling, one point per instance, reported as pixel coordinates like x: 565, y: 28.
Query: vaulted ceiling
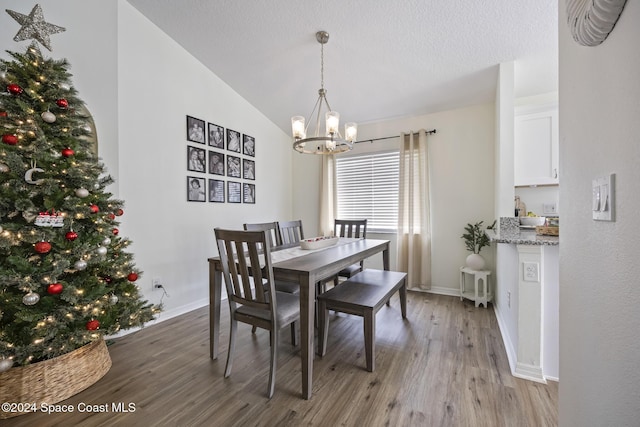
x: 384, y: 59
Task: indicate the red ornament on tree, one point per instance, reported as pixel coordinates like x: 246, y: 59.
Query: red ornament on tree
x: 107, y: 279
x: 14, y: 89
x: 71, y: 235
x: 119, y: 212
x: 3, y: 114
x: 62, y: 103
x: 54, y: 288
x: 115, y: 231
x: 132, y: 277
x: 92, y: 325
x: 94, y: 208
x: 111, y: 216
x: 9, y: 139
x: 42, y: 247
x: 67, y: 152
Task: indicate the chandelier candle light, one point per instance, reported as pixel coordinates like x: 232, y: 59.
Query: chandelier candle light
x: 331, y: 141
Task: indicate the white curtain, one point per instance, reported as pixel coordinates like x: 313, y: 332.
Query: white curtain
x: 414, y: 220
x: 328, y: 196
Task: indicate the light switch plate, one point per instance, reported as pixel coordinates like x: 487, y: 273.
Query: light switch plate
x: 603, y: 198
x: 531, y: 271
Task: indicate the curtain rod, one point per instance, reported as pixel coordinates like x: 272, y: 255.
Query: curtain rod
x: 429, y: 132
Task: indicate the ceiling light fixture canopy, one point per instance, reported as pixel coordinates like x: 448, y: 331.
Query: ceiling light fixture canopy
x: 330, y: 141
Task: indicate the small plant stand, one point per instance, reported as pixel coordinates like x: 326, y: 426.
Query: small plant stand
x: 481, y: 292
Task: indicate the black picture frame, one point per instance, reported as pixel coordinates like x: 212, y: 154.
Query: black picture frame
x: 233, y: 166
x: 196, y: 189
x: 216, y: 136
x: 248, y: 193
x: 248, y: 145
x: 234, y: 192
x: 216, y: 163
x: 233, y: 140
x: 216, y: 191
x: 249, y: 169
x: 196, y: 159
x: 195, y: 130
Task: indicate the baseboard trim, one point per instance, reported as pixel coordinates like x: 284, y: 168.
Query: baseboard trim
x: 443, y: 291
x: 512, y: 356
x: 164, y: 315
x: 529, y: 372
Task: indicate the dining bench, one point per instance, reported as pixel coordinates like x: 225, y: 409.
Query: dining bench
x: 362, y: 295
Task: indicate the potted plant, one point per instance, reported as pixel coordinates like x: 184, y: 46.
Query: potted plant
x: 475, y: 239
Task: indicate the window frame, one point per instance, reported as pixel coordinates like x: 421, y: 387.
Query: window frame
x: 388, y: 206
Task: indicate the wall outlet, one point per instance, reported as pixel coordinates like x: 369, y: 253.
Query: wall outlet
x: 156, y: 283
x: 531, y: 271
x: 549, y: 208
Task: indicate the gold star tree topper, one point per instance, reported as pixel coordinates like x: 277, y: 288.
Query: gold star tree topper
x: 35, y: 27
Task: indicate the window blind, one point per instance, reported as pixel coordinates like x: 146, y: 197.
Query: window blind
x: 367, y: 187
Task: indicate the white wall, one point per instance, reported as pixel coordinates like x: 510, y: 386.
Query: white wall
x: 504, y: 151
x: 140, y: 85
x: 535, y: 198
x: 462, y: 179
x: 159, y: 84
x: 599, y: 288
x: 90, y: 46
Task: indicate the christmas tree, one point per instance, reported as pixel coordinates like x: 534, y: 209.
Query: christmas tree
x: 66, y: 278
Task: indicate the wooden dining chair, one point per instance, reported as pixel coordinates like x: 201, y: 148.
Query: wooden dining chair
x: 246, y: 261
x: 353, y: 228
x: 291, y: 232
x: 273, y: 233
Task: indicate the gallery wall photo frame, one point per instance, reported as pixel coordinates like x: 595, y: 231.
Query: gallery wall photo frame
x: 233, y: 140
x: 248, y: 193
x: 248, y: 145
x: 216, y: 163
x: 196, y: 189
x: 234, y: 192
x: 195, y: 130
x: 196, y: 159
x: 249, y: 169
x: 216, y: 136
x: 233, y: 166
x: 216, y: 191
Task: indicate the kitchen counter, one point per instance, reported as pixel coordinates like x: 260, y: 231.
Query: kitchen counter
x: 526, y: 299
x: 521, y: 237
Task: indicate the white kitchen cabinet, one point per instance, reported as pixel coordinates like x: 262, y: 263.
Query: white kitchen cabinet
x: 536, y: 145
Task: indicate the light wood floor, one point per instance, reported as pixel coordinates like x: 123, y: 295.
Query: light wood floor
x: 444, y: 366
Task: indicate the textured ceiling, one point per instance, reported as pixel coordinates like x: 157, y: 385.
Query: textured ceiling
x: 384, y: 59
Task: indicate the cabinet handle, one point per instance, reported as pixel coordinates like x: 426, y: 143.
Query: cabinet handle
x: 555, y: 173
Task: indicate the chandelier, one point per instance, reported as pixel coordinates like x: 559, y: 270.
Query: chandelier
x: 330, y: 141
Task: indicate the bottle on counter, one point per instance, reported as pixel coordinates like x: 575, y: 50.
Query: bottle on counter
x: 521, y: 208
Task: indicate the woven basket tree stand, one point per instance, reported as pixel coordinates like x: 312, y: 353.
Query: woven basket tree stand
x: 54, y: 380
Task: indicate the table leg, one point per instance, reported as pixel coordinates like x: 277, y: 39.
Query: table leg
x: 215, y: 297
x: 385, y: 257
x: 307, y: 308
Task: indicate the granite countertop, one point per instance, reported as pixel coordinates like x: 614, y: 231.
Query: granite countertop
x: 511, y: 233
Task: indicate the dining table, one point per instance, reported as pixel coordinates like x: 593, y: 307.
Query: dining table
x: 306, y: 267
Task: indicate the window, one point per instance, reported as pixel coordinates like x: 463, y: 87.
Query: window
x: 367, y: 187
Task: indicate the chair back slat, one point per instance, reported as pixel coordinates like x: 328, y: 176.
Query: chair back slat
x: 291, y: 232
x: 272, y: 231
x: 356, y: 228
x: 246, y: 267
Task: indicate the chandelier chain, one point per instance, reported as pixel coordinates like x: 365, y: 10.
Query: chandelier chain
x: 321, y: 65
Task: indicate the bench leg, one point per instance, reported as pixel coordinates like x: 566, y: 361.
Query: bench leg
x: 403, y: 299
x: 370, y: 338
x: 323, y: 328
